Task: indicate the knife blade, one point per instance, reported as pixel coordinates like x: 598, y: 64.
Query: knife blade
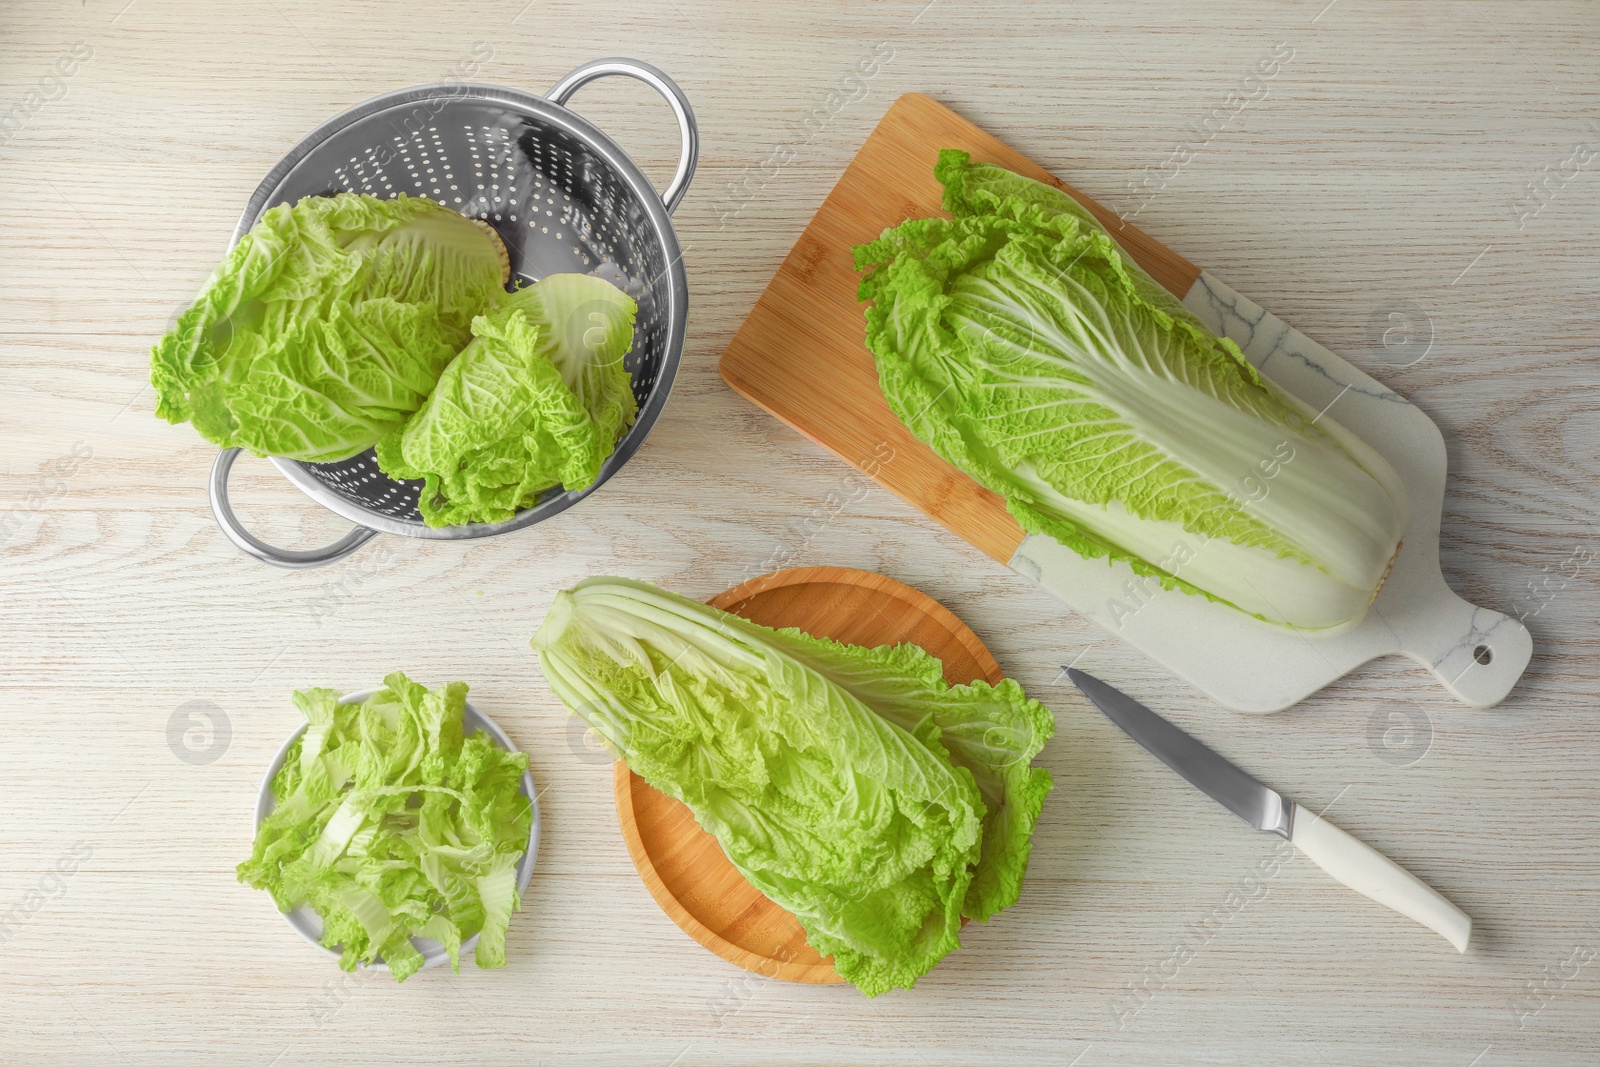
x: 1357, y: 865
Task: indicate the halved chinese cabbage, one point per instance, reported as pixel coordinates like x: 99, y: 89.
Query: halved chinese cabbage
x: 538, y: 398
x: 327, y: 324
x: 1020, y: 343
x: 853, y: 786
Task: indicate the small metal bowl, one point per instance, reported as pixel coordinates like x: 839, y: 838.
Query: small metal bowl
x: 308, y: 924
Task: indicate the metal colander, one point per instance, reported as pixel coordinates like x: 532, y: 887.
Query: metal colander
x: 561, y: 195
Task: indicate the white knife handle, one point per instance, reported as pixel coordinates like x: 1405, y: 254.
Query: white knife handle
x: 1375, y: 875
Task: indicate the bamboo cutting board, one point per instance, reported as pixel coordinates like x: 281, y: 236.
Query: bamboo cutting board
x: 802, y: 357
x: 684, y: 867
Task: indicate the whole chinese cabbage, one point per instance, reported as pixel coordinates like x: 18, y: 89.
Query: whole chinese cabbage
x: 327, y: 324
x: 538, y: 398
x: 852, y: 786
x: 1019, y: 342
x: 392, y: 825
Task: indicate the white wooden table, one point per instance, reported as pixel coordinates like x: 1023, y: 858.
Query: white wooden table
x: 1386, y: 168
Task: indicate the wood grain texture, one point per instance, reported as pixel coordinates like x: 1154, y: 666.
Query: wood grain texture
x: 1381, y: 169
x: 801, y: 356
x: 682, y: 865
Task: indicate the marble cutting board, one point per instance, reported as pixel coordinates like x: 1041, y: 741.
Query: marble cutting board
x: 800, y: 355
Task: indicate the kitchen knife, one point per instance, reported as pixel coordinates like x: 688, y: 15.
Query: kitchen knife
x: 1356, y: 865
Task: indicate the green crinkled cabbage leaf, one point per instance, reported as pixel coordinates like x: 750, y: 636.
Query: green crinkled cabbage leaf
x: 992, y: 731
x: 392, y: 825
x: 326, y: 325
x: 538, y: 398
x: 1025, y: 347
x: 852, y: 786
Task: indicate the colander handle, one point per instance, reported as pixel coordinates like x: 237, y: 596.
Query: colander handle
x: 294, y: 559
x: 562, y: 91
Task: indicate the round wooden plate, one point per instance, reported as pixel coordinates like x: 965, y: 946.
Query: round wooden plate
x: 683, y: 866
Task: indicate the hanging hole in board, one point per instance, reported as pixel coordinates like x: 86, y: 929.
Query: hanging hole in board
x: 1483, y: 654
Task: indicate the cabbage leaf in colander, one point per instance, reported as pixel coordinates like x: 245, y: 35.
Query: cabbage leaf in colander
x: 852, y: 786
x: 326, y: 325
x: 392, y: 825
x: 538, y: 398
